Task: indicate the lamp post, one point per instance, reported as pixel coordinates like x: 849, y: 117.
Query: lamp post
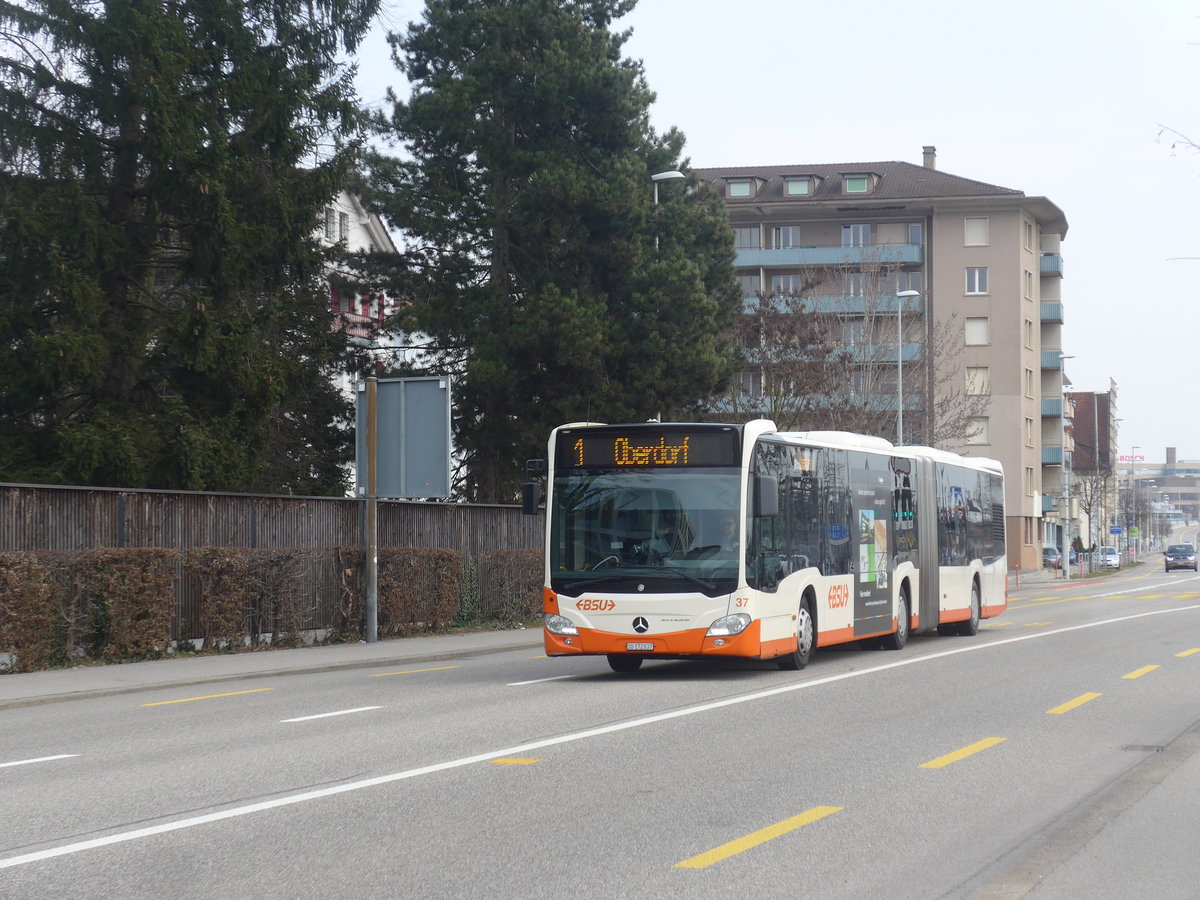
x: 1066, y: 469
x: 1131, y: 515
x: 900, y: 297
x: 656, y: 178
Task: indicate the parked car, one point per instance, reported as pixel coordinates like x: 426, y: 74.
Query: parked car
x: 1180, y: 556
x: 1109, y: 558
x: 1051, y: 557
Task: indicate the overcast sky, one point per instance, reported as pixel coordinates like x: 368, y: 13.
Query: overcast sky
x: 1065, y: 100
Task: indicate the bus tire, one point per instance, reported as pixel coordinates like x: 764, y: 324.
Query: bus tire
x: 898, y: 638
x: 626, y: 665
x: 970, y: 627
x: 806, y: 639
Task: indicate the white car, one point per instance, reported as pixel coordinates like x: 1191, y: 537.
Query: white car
x: 1109, y: 558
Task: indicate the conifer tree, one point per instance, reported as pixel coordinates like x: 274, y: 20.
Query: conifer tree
x: 538, y: 263
x: 164, y: 315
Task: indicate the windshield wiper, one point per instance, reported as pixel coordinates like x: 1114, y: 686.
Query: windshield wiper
x: 635, y: 571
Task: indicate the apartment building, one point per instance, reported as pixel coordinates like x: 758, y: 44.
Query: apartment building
x: 905, y: 255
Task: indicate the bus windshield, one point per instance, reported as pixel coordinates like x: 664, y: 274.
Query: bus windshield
x: 654, y: 531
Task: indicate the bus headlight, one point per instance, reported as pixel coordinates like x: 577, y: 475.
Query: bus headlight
x: 560, y: 625
x: 726, y: 625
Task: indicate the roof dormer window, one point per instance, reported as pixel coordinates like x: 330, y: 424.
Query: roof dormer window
x: 797, y: 187
x: 856, y: 184
x: 741, y: 187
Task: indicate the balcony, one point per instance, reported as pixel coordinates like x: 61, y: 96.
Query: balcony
x: 892, y: 254
x: 850, y: 305
x: 1051, y: 359
x: 1052, y: 406
x: 1052, y: 264
x: 1052, y: 456
x: 1052, y: 313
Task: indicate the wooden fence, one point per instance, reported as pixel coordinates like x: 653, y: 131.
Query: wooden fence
x: 48, y: 517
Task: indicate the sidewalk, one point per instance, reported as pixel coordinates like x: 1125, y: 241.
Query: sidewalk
x: 27, y: 689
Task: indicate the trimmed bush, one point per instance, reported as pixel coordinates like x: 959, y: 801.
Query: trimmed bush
x: 30, y: 620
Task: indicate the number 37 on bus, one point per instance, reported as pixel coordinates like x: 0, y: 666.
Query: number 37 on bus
x: 683, y: 541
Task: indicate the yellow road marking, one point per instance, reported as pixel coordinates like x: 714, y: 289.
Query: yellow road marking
x: 413, y: 671
x: 970, y: 750
x: 1188, y: 652
x: 514, y: 761
x: 1151, y: 596
x: 208, y: 697
x: 1037, y: 624
x: 704, y: 860
x: 1072, y: 704
x: 1186, y: 596
x: 1138, y: 673
x: 999, y: 624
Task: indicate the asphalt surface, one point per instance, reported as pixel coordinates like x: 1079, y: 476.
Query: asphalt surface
x: 29, y: 688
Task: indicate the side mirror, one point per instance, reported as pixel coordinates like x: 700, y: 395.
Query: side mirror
x: 765, y: 496
x: 531, y: 496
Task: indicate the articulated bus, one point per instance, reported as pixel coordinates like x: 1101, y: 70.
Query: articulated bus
x: 684, y: 541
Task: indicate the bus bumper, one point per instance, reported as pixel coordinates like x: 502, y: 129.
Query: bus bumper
x: 690, y: 643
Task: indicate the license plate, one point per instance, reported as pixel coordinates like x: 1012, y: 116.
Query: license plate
x: 631, y: 646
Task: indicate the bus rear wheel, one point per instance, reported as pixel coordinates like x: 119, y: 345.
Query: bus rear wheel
x: 619, y: 662
x: 806, y: 640
x: 971, y: 626
x: 898, y: 638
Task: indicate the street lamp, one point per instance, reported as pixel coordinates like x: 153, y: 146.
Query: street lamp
x: 665, y: 176
x: 900, y: 297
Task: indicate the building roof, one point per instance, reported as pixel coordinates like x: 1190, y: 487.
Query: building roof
x: 893, y: 183
x: 896, y: 181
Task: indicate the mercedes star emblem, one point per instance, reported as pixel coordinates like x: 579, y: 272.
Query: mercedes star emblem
x: 640, y: 625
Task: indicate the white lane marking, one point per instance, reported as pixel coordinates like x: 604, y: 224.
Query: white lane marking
x: 340, y: 712
x: 523, y: 749
x: 25, y: 762
x: 539, y: 680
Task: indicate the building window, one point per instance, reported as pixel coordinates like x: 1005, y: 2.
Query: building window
x: 1028, y: 432
x: 1029, y: 336
x: 785, y: 237
x: 798, y: 187
x: 330, y: 224
x: 979, y: 380
x: 853, y: 333
x: 977, y: 331
x: 978, y: 430
x: 787, y: 284
x: 855, y: 284
x: 343, y: 226
x: 1029, y: 383
x: 975, y: 231
x: 856, y: 184
x: 746, y: 238
x: 750, y: 284
x: 740, y: 188
x: 856, y: 235
x: 1028, y: 235
x: 977, y: 280
x: 1028, y: 285
x: 751, y: 384
x: 1029, y: 481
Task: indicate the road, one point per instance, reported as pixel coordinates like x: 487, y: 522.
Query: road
x: 1053, y: 755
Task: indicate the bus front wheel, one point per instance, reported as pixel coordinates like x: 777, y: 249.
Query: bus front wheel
x: 806, y: 640
x: 619, y: 662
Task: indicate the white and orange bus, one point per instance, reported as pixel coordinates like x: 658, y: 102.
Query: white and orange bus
x: 677, y: 541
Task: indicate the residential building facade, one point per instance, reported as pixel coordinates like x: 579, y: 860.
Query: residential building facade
x: 945, y: 287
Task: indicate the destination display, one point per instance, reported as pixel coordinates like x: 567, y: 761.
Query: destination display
x: 647, y: 448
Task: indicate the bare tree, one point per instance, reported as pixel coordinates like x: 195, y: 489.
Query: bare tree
x: 822, y: 349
